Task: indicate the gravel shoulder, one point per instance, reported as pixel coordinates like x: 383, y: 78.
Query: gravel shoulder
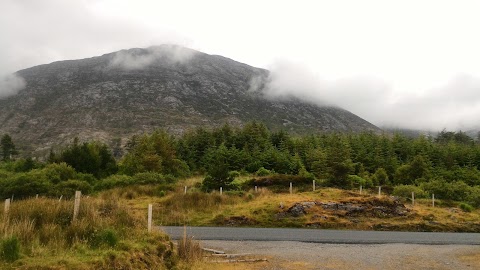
x: 301, y: 255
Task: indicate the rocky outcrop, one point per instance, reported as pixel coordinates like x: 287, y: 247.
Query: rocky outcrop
x: 116, y: 95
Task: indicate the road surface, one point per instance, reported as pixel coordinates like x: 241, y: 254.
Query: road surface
x: 324, y: 236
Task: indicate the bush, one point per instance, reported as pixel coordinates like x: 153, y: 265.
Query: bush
x: 263, y: 172
x: 69, y: 187
x: 114, y: 181
x: 466, y: 207
x: 359, y: 181
x: 10, y: 249
x: 456, y: 191
x: 405, y: 191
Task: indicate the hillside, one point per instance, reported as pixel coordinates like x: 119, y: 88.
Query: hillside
x: 116, y: 95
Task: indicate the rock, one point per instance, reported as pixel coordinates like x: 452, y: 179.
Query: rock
x: 297, y: 210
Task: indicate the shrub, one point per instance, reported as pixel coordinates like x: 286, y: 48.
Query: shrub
x: 405, y: 191
x: 263, y: 172
x: 466, y: 207
x: 359, y: 181
x: 69, y: 187
x: 10, y: 249
x: 114, y: 181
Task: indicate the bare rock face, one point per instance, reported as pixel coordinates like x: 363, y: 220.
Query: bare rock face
x: 116, y: 95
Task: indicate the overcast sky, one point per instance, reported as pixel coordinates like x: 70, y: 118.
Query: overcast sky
x: 407, y: 63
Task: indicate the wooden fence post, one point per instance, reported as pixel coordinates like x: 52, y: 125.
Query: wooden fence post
x: 379, y: 191
x: 185, y: 190
x: 256, y: 189
x: 291, y: 188
x: 76, y: 207
x: 221, y: 190
x: 7, y: 207
x: 313, y: 185
x: 361, y: 190
x: 433, y: 200
x: 149, y: 225
x: 413, y: 198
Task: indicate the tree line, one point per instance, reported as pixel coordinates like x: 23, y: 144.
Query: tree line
x: 447, y: 165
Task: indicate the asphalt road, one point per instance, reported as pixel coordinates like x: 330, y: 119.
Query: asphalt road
x: 324, y: 236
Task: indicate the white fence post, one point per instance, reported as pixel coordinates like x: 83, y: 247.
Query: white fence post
x: 76, y: 207
x: 291, y: 188
x: 185, y: 190
x: 379, y: 191
x: 221, y: 190
x: 313, y: 185
x: 149, y: 225
x: 361, y: 190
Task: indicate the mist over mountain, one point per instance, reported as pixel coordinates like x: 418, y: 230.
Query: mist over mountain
x: 116, y: 95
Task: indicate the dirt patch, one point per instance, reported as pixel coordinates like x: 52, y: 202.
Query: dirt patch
x: 238, y: 221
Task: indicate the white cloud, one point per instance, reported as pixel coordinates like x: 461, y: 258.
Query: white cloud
x: 10, y: 85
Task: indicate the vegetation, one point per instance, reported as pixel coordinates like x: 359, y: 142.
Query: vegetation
x: 157, y: 166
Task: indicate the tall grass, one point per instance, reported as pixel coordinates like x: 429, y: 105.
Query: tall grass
x: 44, y: 228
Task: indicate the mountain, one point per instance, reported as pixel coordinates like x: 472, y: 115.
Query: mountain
x: 113, y: 96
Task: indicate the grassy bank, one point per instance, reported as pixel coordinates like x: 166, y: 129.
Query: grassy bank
x: 325, y: 208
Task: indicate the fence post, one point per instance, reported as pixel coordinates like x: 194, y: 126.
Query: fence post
x: 361, y: 190
x: 291, y: 188
x: 221, y: 190
x: 7, y: 207
x: 256, y: 189
x: 76, y: 207
x: 379, y: 191
x: 313, y: 185
x: 61, y: 196
x: 36, y: 196
x: 433, y: 200
x: 185, y: 190
x: 413, y: 198
x: 149, y: 225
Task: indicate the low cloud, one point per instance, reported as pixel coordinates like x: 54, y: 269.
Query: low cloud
x: 10, y: 85
x: 142, y: 58
x: 456, y: 105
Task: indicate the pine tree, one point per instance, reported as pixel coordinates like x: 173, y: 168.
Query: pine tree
x: 7, y: 147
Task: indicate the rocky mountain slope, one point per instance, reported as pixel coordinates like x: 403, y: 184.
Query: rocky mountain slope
x: 116, y: 95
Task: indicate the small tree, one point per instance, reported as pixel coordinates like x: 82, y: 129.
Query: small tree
x: 7, y: 147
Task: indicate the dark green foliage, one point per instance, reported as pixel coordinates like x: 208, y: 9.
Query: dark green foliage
x: 10, y: 249
x: 90, y: 157
x: 153, y: 153
x: 7, y: 147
